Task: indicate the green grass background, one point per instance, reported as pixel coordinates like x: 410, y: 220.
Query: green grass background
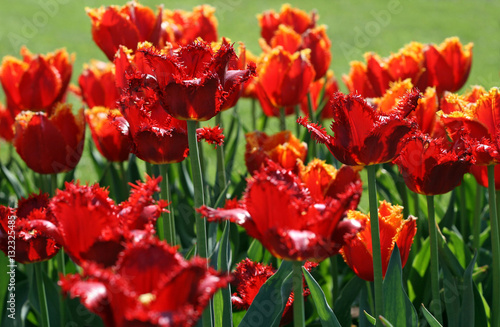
x: 354, y: 27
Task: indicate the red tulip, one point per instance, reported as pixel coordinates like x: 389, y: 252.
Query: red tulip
x: 249, y: 277
x: 290, y: 221
x: 294, y: 18
x: 282, y: 148
x: 284, y: 80
x: 50, y: 143
x: 18, y: 239
x: 109, y: 140
x: 362, y: 134
x: 128, y: 25
x: 92, y: 228
x: 98, y: 85
x: 151, y: 285
x: 190, y: 83
x: 357, y: 252
x: 36, y: 83
x: 7, y: 118
x: 433, y: 166
x: 181, y: 28
x: 447, y: 66
x: 371, y: 80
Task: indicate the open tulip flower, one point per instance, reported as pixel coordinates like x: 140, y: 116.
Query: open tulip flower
x: 295, y: 30
x: 92, y: 228
x: 371, y: 80
x: 283, y: 148
x: 180, y: 28
x: 479, y: 119
x: 362, y: 134
x: 191, y: 83
x: 433, y: 166
x: 7, y: 118
x: 249, y: 277
x: 357, y: 252
x: 127, y: 25
x: 108, y: 138
x: 50, y: 143
x: 31, y: 244
x: 150, y: 285
x: 98, y: 85
x: 291, y: 222
x: 447, y: 66
x: 284, y: 79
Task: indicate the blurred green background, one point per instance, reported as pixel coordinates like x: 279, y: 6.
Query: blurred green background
x: 354, y: 27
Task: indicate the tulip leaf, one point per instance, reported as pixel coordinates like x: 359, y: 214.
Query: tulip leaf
x: 268, y: 305
x: 13, y: 181
x: 397, y: 306
x: 370, y: 319
x: 222, y: 300
x: 385, y: 322
x: 325, y: 313
x: 431, y: 320
x: 256, y: 251
x: 347, y: 295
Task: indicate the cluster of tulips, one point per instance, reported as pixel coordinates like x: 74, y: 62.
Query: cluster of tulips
x: 126, y: 260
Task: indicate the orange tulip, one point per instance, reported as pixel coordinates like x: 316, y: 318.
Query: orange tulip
x: 181, y: 27
x: 127, y: 25
x: 50, y: 143
x: 283, y: 80
x: 109, y: 140
x: 283, y: 148
x: 357, y: 252
x: 98, y: 86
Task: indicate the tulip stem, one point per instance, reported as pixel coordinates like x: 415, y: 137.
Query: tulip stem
x: 463, y: 211
x: 168, y: 217
x: 282, y: 119
x: 477, y: 216
x: 254, y: 115
x: 376, y: 250
x: 335, y: 277
x: 495, y: 247
x: 298, y: 298
x: 199, y: 200
x: 44, y: 312
x: 436, y: 299
x: 313, y: 120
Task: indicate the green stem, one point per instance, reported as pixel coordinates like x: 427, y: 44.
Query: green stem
x: 221, y: 168
x: 335, y: 279
x: 53, y: 184
x: 298, y: 298
x: 495, y: 248
x: 370, y: 297
x: 463, y: 212
x: 376, y: 250
x: 44, y: 312
x: 149, y: 168
x: 436, y: 299
x: 254, y: 115
x: 416, y: 205
x: 312, y: 118
x: 199, y: 200
x: 297, y: 115
x: 282, y: 119
x: 477, y: 217
x: 126, y: 187
x: 168, y: 217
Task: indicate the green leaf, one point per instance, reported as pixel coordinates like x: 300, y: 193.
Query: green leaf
x: 467, y: 311
x: 267, y: 307
x: 222, y: 300
x: 256, y: 251
x: 385, y: 322
x: 430, y: 318
x: 397, y: 306
x: 325, y: 313
x: 347, y: 295
x: 13, y: 182
x: 371, y: 319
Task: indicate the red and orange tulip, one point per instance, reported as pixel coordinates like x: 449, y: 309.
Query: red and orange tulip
x: 127, y: 25
x: 284, y: 80
x: 98, y: 85
x: 37, y: 82
x: 31, y: 244
x: 362, y: 134
x: 191, y: 82
x: 50, y: 143
x: 289, y: 220
x: 282, y: 148
x: 104, y: 126
x: 447, y: 66
x: 181, y: 28
x: 433, y: 166
x: 357, y: 252
x: 151, y: 285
